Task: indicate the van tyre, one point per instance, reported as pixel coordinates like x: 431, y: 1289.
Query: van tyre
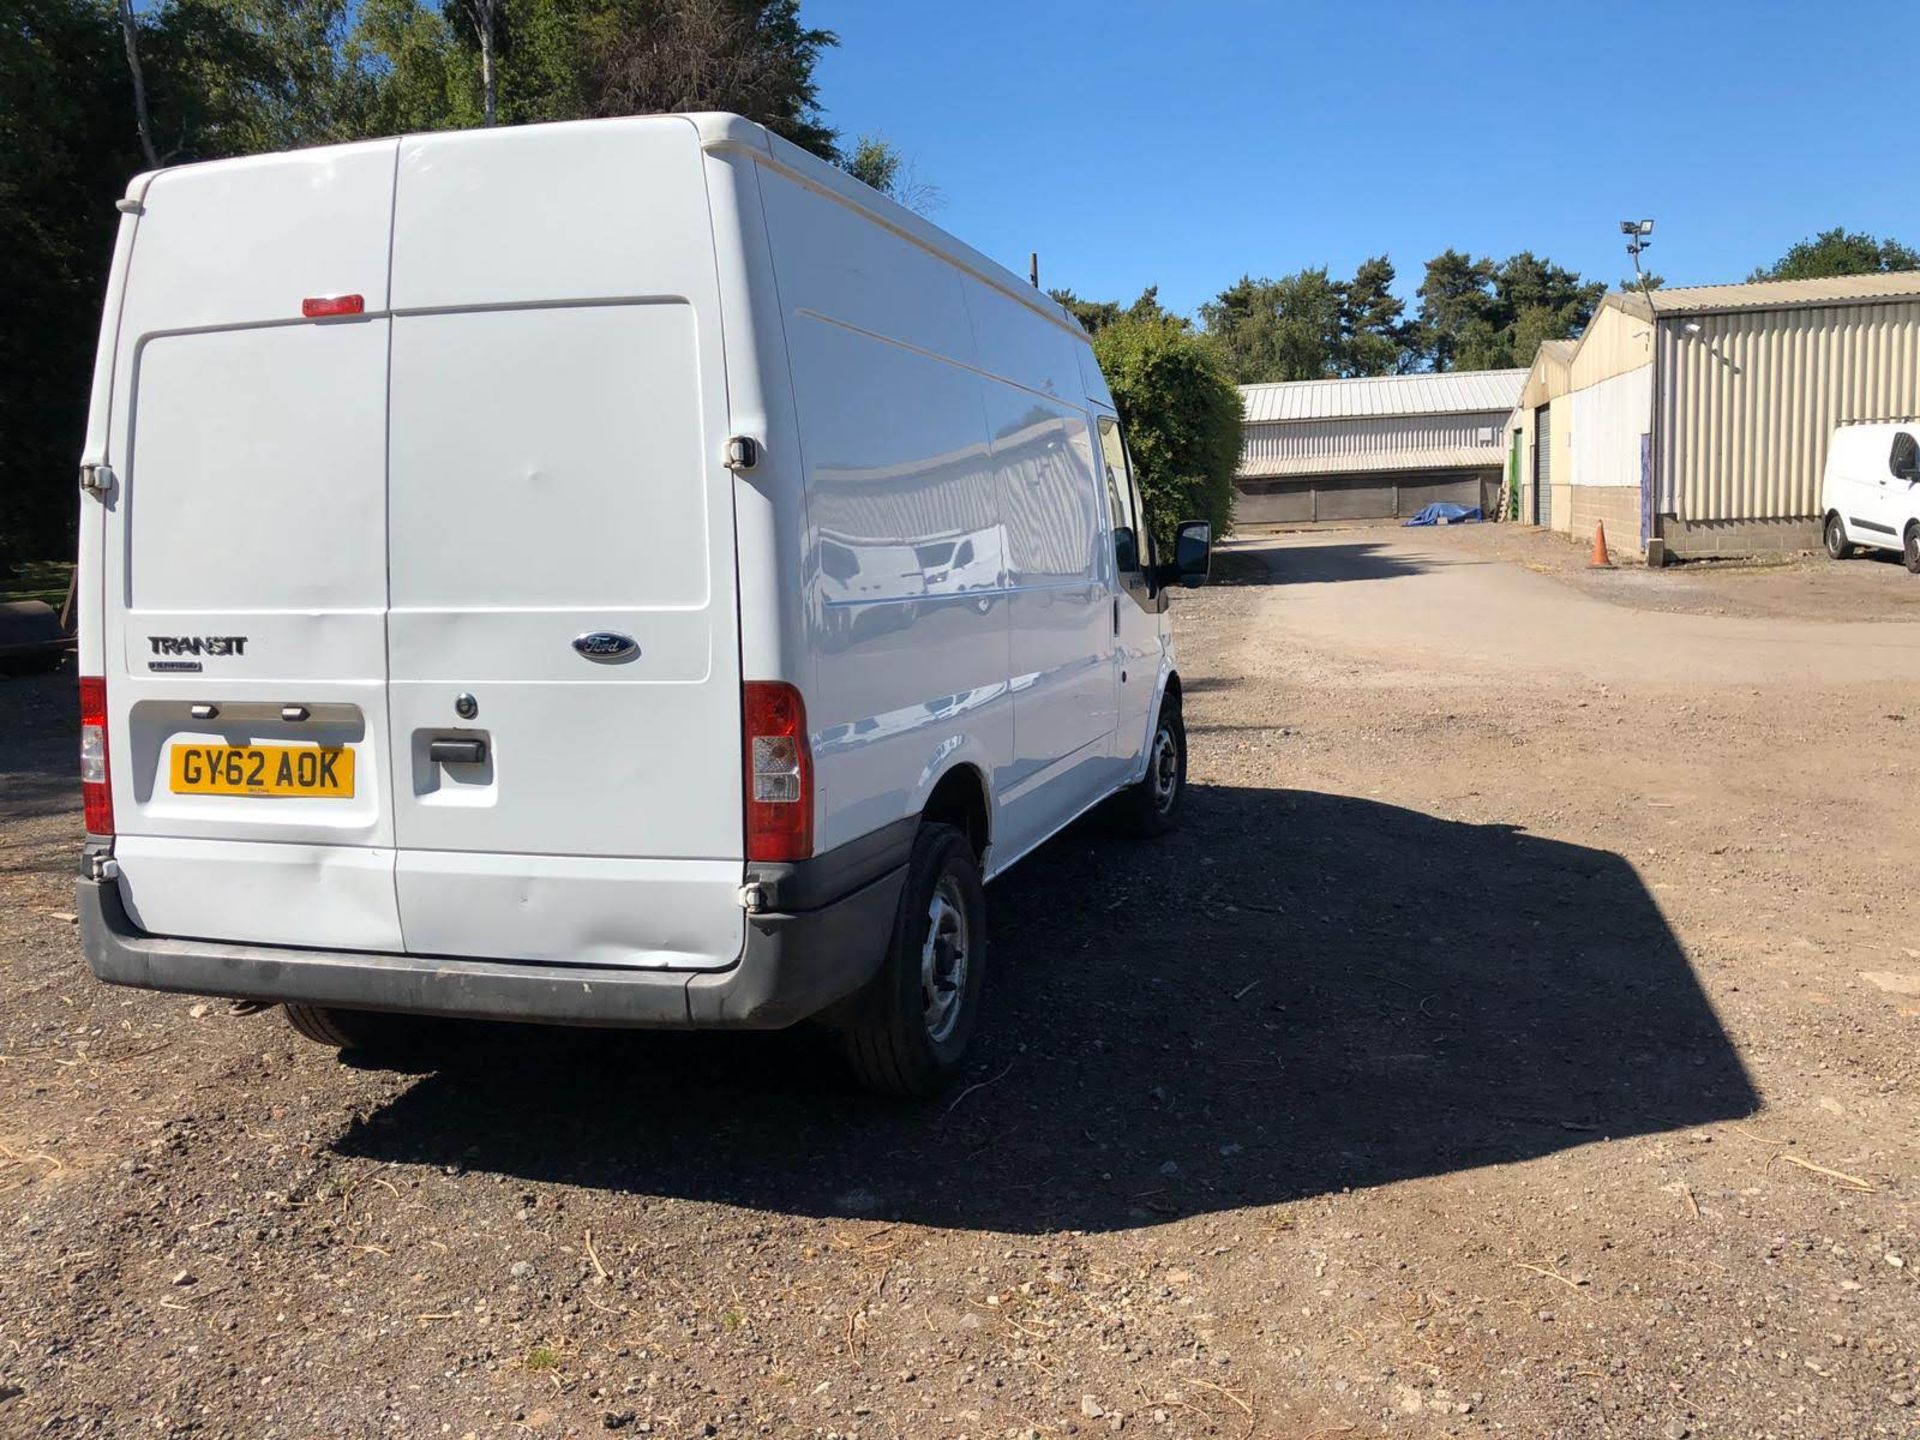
x: 1837, y: 544
x: 370, y: 1031
x: 1151, y: 805
x: 1910, y: 549
x: 907, y: 1032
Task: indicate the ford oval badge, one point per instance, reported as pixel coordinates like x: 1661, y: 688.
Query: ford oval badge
x: 606, y: 646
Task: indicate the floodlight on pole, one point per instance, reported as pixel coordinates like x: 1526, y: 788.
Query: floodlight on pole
x: 1638, y: 233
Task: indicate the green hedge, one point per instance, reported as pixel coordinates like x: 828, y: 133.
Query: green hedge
x: 1181, y: 413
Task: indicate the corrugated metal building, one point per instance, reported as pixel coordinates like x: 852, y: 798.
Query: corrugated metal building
x: 1698, y: 426
x: 1366, y: 449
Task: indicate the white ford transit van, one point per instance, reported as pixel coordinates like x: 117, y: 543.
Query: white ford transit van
x: 621, y: 573
x: 1870, y: 492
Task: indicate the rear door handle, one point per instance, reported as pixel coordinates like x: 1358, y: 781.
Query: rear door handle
x: 457, y: 752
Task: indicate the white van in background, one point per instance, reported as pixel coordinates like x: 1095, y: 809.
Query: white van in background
x: 1870, y: 493
x: 543, y: 574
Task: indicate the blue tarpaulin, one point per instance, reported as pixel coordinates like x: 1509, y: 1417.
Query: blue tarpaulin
x: 1445, y: 512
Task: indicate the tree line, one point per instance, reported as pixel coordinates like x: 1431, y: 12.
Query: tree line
x: 1474, y: 312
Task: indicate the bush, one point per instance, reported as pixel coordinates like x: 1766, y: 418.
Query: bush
x: 1181, y: 413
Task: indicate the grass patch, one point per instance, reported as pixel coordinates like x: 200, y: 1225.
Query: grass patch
x: 543, y: 1357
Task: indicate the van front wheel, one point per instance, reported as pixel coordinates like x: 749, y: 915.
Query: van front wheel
x: 1837, y: 544
x: 1151, y: 805
x: 907, y: 1032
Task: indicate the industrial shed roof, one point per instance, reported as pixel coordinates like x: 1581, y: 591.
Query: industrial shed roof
x: 1772, y: 294
x: 1450, y: 392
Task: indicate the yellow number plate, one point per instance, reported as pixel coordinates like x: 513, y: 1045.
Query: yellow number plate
x: 300, y: 770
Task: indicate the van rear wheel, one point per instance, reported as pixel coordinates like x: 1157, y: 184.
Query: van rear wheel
x: 907, y: 1032
x: 1910, y: 549
x: 1837, y: 544
x: 373, y: 1031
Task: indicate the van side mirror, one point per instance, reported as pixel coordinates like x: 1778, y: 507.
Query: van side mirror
x: 1193, y: 553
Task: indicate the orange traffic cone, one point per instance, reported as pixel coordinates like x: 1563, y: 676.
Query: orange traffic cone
x: 1601, y: 560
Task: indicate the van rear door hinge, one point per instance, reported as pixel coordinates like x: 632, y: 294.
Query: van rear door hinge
x: 96, y: 480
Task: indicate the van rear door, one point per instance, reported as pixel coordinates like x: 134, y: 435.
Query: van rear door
x: 244, y: 554
x: 563, y: 641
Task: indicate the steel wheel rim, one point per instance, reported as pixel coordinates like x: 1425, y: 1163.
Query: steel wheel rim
x: 943, y: 960
x: 1163, y: 768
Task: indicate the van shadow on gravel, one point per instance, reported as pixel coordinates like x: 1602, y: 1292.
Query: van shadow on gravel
x: 1326, y: 564
x: 1299, y: 992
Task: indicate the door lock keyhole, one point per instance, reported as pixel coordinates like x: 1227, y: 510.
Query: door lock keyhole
x: 465, y: 706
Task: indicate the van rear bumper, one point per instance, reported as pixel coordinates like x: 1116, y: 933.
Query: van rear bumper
x: 791, y: 966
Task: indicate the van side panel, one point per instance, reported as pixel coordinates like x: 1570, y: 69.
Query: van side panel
x: 1060, y: 574
x: 911, y: 648
x: 1060, y: 604
x: 558, y: 428
x: 243, y: 551
x: 957, y: 540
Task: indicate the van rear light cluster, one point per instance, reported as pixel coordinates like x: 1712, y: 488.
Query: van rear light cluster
x: 95, y: 790
x: 779, y: 766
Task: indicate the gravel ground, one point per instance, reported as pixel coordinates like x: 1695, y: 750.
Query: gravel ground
x: 1506, y: 1045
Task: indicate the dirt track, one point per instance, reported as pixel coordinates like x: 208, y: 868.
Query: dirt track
x: 1519, y: 1039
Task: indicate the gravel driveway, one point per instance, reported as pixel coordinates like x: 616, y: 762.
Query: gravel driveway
x: 1519, y: 1038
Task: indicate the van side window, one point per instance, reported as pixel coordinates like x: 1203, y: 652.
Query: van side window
x: 1905, y: 460
x: 1120, y: 498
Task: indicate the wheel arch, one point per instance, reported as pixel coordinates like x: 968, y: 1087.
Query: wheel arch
x: 960, y: 798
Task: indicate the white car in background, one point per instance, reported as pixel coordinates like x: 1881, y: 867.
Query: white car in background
x: 1870, y: 494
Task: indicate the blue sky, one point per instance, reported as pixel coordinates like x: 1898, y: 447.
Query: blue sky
x: 1134, y: 143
